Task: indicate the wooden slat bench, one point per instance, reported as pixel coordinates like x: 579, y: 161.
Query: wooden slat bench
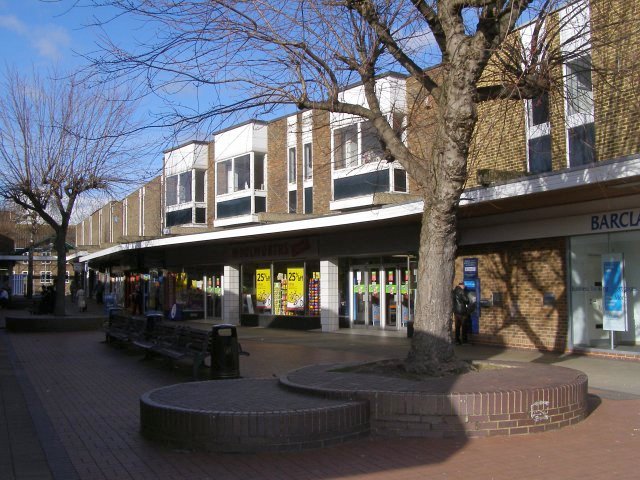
x: 123, y: 328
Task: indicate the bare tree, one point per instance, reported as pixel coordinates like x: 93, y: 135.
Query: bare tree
x: 58, y: 140
x: 257, y: 55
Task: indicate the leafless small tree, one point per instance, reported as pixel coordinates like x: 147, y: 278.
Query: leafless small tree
x: 60, y: 139
x: 260, y: 54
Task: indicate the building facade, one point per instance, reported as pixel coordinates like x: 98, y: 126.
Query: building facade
x: 301, y: 222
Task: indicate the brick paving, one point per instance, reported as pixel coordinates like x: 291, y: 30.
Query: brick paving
x: 84, y: 395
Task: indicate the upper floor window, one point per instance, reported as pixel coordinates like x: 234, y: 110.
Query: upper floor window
x: 345, y: 141
x: 200, y: 180
x: 46, y: 277
x: 179, y: 188
x: 355, y: 145
x: 580, y: 118
x: 538, y: 134
x: 308, y: 161
x: 234, y: 175
x: 46, y: 254
x: 292, y: 164
x: 579, y: 87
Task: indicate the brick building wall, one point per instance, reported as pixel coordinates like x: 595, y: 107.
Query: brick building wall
x: 277, y: 181
x: 106, y: 224
x: 133, y: 215
x: 523, y: 273
x: 116, y: 222
x: 321, y: 162
x: 95, y: 228
x: 152, y: 205
x: 616, y: 79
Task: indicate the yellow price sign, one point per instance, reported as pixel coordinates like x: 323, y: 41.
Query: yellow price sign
x: 295, y: 288
x: 263, y: 287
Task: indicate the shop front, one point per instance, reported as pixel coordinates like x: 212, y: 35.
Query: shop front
x: 604, y: 283
x: 281, y: 294
x: 382, y: 295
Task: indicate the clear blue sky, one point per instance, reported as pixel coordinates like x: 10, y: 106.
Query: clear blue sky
x: 43, y: 34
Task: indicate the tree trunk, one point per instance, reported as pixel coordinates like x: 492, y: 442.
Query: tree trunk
x: 431, y: 349
x: 61, y: 251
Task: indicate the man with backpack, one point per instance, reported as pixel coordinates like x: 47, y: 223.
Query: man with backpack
x: 462, y: 308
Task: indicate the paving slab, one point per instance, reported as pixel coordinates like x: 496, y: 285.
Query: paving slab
x: 89, y: 393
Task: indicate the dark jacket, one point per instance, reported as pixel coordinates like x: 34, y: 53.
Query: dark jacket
x: 460, y: 301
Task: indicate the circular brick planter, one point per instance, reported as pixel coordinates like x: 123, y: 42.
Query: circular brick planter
x: 248, y: 415
x: 516, y: 398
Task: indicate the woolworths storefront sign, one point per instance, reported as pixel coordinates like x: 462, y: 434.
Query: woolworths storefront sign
x: 621, y: 220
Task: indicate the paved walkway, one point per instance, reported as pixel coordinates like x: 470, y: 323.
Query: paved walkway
x: 69, y: 410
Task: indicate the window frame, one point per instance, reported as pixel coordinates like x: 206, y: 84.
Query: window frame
x: 292, y: 169
x: 576, y: 115
x: 307, y: 158
x: 44, y: 274
x: 536, y: 133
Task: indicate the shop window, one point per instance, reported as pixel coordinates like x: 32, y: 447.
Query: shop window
x: 263, y: 289
x: 289, y: 290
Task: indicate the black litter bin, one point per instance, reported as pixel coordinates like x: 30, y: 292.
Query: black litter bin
x: 225, y: 352
x: 409, y: 329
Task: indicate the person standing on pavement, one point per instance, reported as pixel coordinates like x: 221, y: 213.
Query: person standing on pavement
x: 81, y: 300
x: 4, y: 297
x: 136, y: 301
x: 461, y: 304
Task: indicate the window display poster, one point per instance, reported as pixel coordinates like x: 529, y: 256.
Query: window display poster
x: 263, y: 288
x: 614, y: 312
x: 295, y: 292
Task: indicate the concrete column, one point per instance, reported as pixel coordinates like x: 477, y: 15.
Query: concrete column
x: 329, y: 295
x: 231, y: 298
